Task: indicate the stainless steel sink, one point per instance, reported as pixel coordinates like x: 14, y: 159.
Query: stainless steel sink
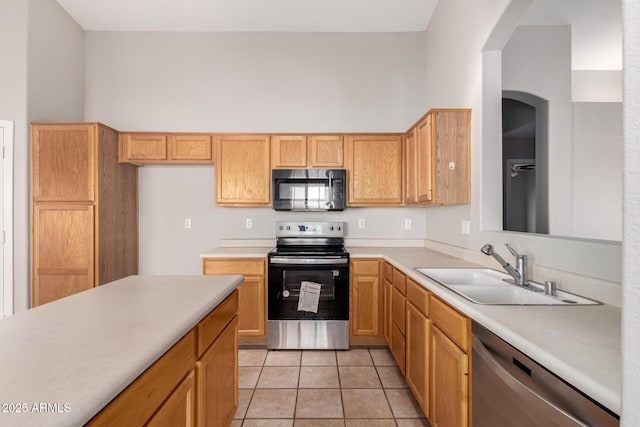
x: 491, y: 287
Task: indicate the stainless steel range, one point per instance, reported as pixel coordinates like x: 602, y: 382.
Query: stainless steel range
x: 309, y: 287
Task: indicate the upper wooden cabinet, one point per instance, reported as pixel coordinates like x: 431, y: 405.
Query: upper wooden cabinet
x: 437, y: 159
x: 243, y: 171
x: 84, y: 210
x: 313, y: 151
x: 326, y: 151
x: 158, y: 148
x: 374, y: 170
x: 63, y: 162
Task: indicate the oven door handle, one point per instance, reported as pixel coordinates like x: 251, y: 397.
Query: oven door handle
x: 308, y: 261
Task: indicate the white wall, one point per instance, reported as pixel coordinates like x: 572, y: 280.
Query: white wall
x: 248, y: 82
x: 631, y: 224
x: 597, y: 170
x: 42, y: 80
x: 13, y: 106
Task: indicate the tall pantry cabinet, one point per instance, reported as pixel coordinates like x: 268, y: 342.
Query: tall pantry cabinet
x: 84, y: 224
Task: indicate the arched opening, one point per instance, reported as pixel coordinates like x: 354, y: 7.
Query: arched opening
x: 525, y: 205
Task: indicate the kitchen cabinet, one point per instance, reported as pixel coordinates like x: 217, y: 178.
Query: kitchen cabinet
x: 398, y: 316
x: 252, y: 298
x: 365, y: 299
x: 437, y: 157
x: 450, y: 369
x: 387, y: 283
x: 204, y: 360
x: 418, y: 336
x: 312, y: 151
x: 84, y: 210
x: 243, y: 170
x: 162, y: 148
x: 374, y: 170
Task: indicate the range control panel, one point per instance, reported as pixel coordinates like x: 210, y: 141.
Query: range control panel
x: 310, y: 229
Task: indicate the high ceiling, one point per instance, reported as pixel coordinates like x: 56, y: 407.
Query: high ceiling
x: 252, y: 15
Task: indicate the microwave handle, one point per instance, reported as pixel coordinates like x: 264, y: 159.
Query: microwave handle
x: 330, y: 189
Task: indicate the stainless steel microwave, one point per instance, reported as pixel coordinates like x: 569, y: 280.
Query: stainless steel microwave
x: 309, y: 189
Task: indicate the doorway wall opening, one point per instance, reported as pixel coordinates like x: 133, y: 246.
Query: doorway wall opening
x: 525, y: 199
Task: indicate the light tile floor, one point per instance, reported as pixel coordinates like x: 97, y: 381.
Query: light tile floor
x: 358, y: 387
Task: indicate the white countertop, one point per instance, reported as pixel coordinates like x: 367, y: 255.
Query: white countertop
x: 580, y: 344
x: 80, y: 352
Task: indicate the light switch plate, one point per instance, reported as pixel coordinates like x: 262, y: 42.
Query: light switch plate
x: 466, y: 227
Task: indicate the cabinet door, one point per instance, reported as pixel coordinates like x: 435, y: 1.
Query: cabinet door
x: 63, y: 251
x: 417, y: 356
x: 217, y: 373
x: 288, y: 151
x: 252, y: 314
x: 179, y: 409
x: 141, y: 147
x: 411, y: 164
x: 424, y: 157
x: 326, y: 151
x: 63, y: 165
x: 243, y: 171
x: 451, y: 133
x: 387, y: 320
x: 398, y: 308
x: 449, y: 400
x: 365, y: 306
x: 374, y: 170
x: 398, y: 346
x: 190, y: 148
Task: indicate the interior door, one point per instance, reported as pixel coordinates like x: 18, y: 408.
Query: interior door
x: 6, y: 218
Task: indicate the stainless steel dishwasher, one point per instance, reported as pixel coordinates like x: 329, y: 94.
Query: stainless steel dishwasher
x: 510, y: 389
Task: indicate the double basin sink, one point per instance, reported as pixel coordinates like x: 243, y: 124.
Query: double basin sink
x: 491, y: 287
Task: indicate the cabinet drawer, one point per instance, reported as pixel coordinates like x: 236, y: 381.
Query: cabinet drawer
x: 452, y: 323
x: 418, y: 296
x: 365, y: 266
x: 400, y: 281
x: 387, y: 271
x: 255, y: 267
x: 398, y: 307
x: 211, y: 326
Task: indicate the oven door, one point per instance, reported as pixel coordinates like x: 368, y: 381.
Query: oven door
x: 309, y: 291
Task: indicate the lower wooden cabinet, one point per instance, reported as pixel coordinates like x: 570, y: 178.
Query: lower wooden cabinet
x: 252, y: 292
x: 387, y: 277
x: 217, y: 374
x: 179, y: 408
x: 365, y: 299
x: 449, y: 402
x: 417, y: 355
x: 195, y: 383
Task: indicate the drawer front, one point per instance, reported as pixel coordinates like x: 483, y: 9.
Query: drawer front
x: 418, y: 296
x: 398, y: 310
x: 211, y: 326
x: 255, y: 267
x: 455, y: 325
x: 387, y: 271
x: 365, y: 266
x: 400, y: 281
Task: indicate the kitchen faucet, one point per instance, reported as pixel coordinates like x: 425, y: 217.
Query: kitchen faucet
x: 519, y: 273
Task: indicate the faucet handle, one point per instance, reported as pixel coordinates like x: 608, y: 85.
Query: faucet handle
x: 513, y: 251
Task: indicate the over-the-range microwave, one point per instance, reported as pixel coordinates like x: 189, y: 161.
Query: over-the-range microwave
x: 308, y: 189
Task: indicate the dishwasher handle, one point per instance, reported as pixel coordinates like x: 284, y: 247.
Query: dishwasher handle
x: 515, y: 384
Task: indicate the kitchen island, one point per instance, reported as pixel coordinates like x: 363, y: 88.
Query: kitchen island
x: 63, y: 362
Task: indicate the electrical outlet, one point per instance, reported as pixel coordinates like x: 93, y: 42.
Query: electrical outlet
x: 361, y: 224
x: 465, y: 227
x: 407, y: 224
x: 249, y: 223
x: 187, y: 223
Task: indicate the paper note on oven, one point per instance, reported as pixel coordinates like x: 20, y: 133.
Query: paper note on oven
x: 309, y: 296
